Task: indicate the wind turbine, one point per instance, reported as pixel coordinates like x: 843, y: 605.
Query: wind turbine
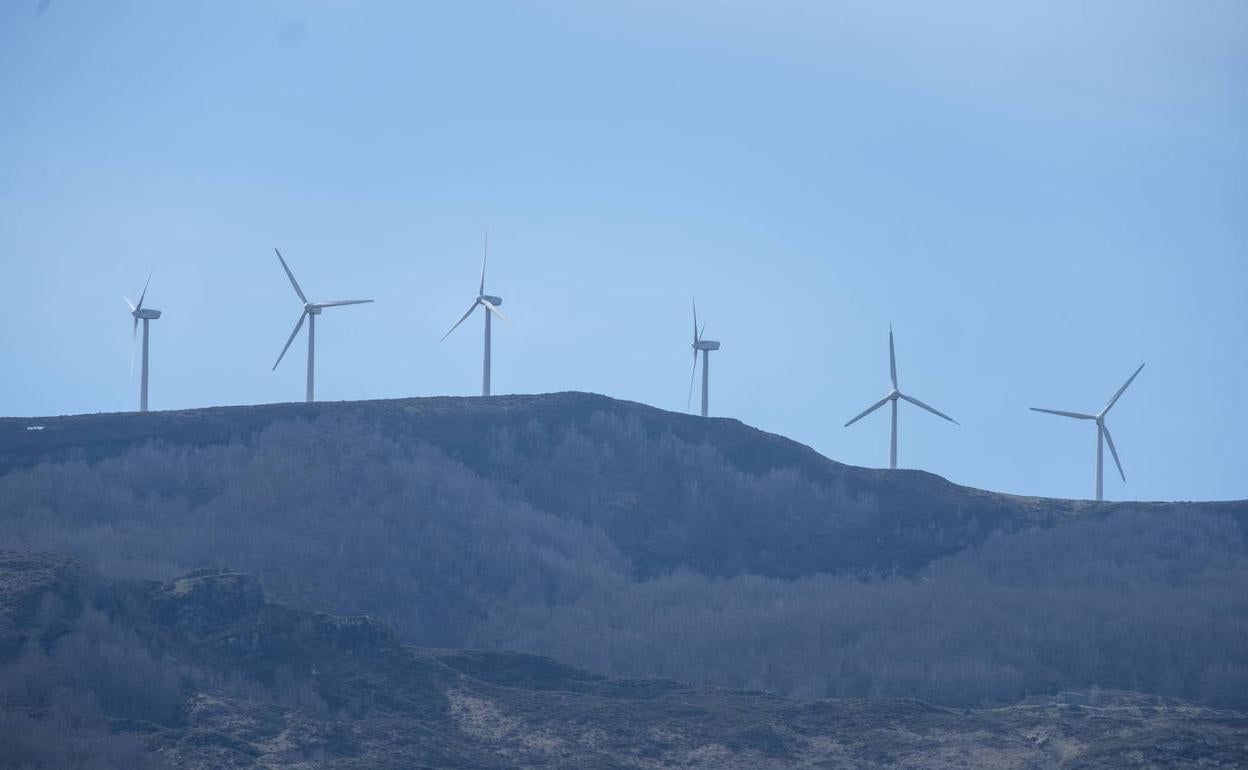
x: 1102, y: 433
x: 310, y: 311
x: 893, y: 395
x: 144, y: 314
x: 706, y: 346
x: 490, y: 303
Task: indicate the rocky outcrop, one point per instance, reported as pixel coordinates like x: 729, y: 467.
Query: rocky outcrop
x: 208, y: 600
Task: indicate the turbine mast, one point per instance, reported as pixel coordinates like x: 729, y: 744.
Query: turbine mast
x: 706, y: 362
x: 1100, y: 462
x: 311, y: 387
x: 892, y: 444
x: 143, y: 384
x: 485, y: 367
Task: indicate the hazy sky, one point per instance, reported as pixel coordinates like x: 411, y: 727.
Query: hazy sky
x: 1038, y: 195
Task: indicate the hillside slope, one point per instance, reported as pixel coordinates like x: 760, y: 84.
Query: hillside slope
x: 219, y: 677
x: 637, y: 542
x: 485, y: 434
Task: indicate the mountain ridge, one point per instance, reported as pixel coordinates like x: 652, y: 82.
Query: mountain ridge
x: 60, y: 436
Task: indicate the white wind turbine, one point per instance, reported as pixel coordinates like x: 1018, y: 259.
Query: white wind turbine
x: 310, y: 311
x: 892, y: 396
x: 1102, y: 433
x: 490, y: 303
x: 145, y: 315
x: 706, y: 346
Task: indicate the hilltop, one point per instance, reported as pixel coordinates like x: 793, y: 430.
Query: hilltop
x: 637, y: 542
x: 215, y: 675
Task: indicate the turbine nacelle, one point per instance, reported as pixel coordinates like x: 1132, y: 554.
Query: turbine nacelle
x: 706, y: 345
x: 490, y: 298
x: 146, y: 313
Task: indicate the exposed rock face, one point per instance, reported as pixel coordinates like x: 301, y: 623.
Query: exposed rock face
x: 358, y: 634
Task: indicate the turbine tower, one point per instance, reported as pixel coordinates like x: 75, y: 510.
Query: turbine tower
x: 1102, y: 433
x: 490, y: 303
x: 706, y: 346
x: 144, y: 314
x: 310, y: 311
x: 893, y: 395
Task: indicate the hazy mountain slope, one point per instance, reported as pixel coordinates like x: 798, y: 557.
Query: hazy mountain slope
x: 226, y: 678
x: 638, y: 542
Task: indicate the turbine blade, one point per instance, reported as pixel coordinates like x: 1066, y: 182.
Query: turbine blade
x: 1121, y: 390
x: 933, y: 410
x: 695, y: 322
x: 337, y: 303
x: 892, y: 357
x: 139, y: 306
x: 298, y: 326
x: 134, y: 343
x: 1110, y: 440
x: 692, y: 376
x: 1076, y: 415
x: 129, y: 304
x: 462, y: 318
x: 484, y: 255
x: 291, y: 276
x: 868, y: 411
x: 490, y: 306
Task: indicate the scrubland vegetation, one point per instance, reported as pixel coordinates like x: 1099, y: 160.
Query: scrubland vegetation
x: 63, y: 692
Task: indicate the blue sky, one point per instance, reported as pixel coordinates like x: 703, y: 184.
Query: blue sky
x: 1039, y: 196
